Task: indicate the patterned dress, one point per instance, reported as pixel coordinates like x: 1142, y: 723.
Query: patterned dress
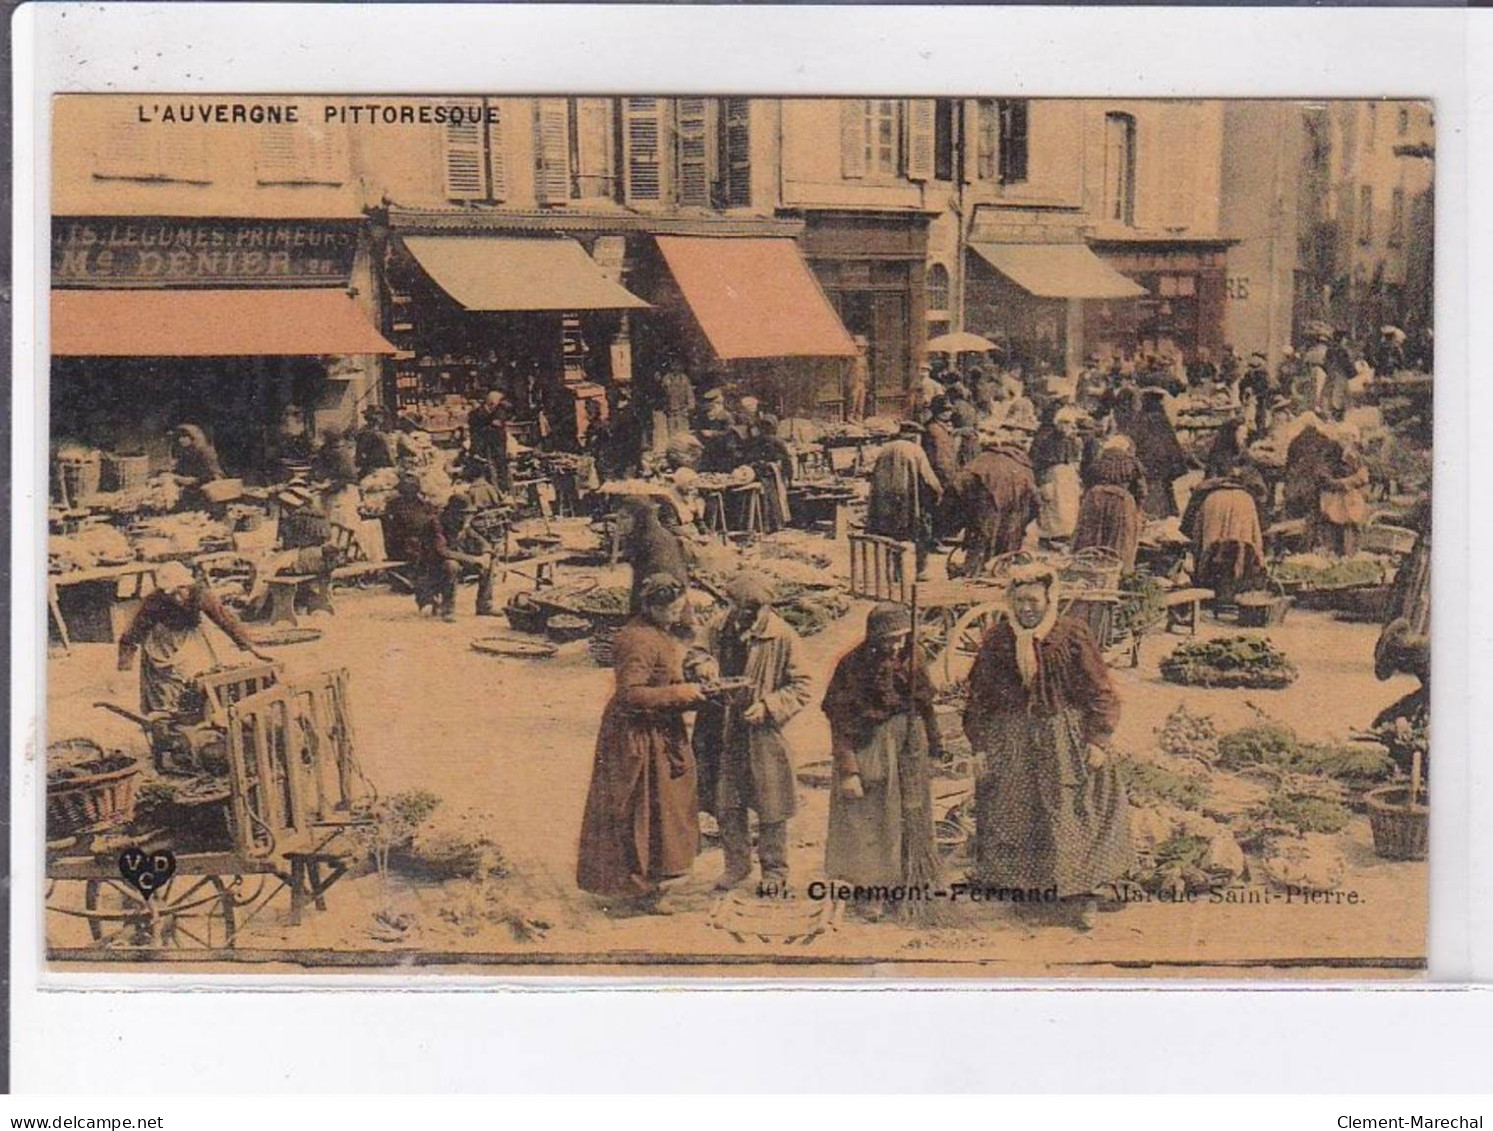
x: 1043, y: 818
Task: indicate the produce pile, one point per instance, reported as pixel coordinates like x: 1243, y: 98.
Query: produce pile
x: 94, y: 545
x: 1254, y: 804
x: 1314, y: 571
x: 171, y: 535
x: 807, y: 610
x: 1140, y: 606
x: 1230, y: 661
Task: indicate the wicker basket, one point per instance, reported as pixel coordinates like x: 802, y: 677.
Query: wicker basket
x: 92, y: 803
x: 526, y: 615
x: 1261, y: 610
x: 123, y: 472
x: 1401, y: 827
x: 78, y: 476
x: 564, y: 628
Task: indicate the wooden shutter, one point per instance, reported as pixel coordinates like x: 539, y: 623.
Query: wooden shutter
x: 1013, y: 144
x: 181, y: 155
x: 920, y: 118
x: 127, y: 151
x: 738, y: 152
x: 497, y: 160
x: 641, y: 137
x: 275, y: 159
x: 595, y: 149
x: 463, y: 154
x: 969, y: 140
x: 853, y: 137
x: 551, y: 151
x: 692, y: 184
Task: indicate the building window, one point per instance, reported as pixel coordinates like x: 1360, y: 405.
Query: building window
x: 1373, y: 127
x: 938, y: 288
x: 295, y: 155
x: 735, y: 153
x: 691, y: 153
x: 1013, y: 120
x: 552, y: 147
x: 472, y: 155
x: 133, y: 152
x: 987, y: 139
x: 1365, y: 214
x: 1403, y: 125
x: 1119, y: 168
x: 1397, y: 217
x: 883, y: 137
x: 943, y: 139
x: 593, y: 149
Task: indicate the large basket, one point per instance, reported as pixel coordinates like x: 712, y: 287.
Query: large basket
x: 92, y: 803
x: 1262, y: 609
x: 526, y: 615
x: 78, y: 476
x: 123, y: 472
x: 1401, y: 827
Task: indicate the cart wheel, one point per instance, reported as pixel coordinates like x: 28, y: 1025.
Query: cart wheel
x: 964, y: 641
x: 189, y: 913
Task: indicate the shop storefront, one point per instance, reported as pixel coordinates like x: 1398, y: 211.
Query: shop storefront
x: 1183, y: 304
x: 235, y: 325
x: 872, y: 267
x: 1036, y: 301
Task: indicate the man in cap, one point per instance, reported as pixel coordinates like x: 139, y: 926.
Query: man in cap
x: 714, y: 426
x: 487, y: 427
x: 905, y: 492
x: 374, y: 446
x: 743, y: 761
x: 469, y: 546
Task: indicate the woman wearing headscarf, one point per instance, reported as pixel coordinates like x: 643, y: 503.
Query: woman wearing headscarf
x: 1055, y: 454
x: 1159, y: 452
x: 1228, y: 545
x: 882, y: 736
x: 648, y: 547
x: 641, y: 824
x: 168, y: 633
x: 1051, y: 815
x: 1109, y: 515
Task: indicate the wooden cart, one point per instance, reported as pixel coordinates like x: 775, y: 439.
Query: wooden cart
x: 287, y: 801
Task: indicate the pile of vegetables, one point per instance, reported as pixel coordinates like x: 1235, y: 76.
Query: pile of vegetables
x: 1275, y: 746
x: 807, y: 610
x: 94, y: 545
x: 1150, y: 783
x: 1141, y: 597
x: 1313, y: 571
x: 1230, y: 661
x: 1185, y: 735
x: 1291, y: 812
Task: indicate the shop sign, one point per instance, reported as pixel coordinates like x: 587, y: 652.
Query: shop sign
x: 609, y: 253
x: 130, y: 252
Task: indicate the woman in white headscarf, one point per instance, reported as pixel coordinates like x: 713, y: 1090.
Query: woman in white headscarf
x: 1051, y: 818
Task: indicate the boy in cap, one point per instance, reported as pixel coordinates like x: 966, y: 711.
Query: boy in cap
x: 744, y: 762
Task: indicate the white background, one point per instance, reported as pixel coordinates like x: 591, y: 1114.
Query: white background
x: 1435, y: 1037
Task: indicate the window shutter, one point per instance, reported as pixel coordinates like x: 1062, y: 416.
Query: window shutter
x: 920, y: 116
x: 127, y: 151
x: 969, y: 140
x: 641, y: 138
x: 552, y: 151
x: 853, y: 137
x: 463, y: 155
x: 497, y: 161
x: 693, y: 183
x: 275, y: 155
x: 738, y: 162
x: 181, y: 155
x: 1013, y: 143
x: 594, y: 148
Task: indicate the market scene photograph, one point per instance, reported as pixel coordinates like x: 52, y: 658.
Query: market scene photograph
x: 741, y: 537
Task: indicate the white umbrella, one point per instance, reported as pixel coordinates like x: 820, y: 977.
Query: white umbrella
x: 961, y: 341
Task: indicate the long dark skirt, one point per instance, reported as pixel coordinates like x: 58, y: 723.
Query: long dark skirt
x: 1044, y: 819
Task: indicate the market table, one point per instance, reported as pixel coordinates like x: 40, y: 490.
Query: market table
x: 93, y: 606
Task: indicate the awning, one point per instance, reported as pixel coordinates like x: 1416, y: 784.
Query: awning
x: 204, y: 323
x: 755, y: 298
x: 1057, y: 270
x: 497, y: 273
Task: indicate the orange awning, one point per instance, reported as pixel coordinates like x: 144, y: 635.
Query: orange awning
x: 755, y: 297
x: 190, y: 323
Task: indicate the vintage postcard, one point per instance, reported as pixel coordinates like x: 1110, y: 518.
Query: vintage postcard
x: 739, y: 537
